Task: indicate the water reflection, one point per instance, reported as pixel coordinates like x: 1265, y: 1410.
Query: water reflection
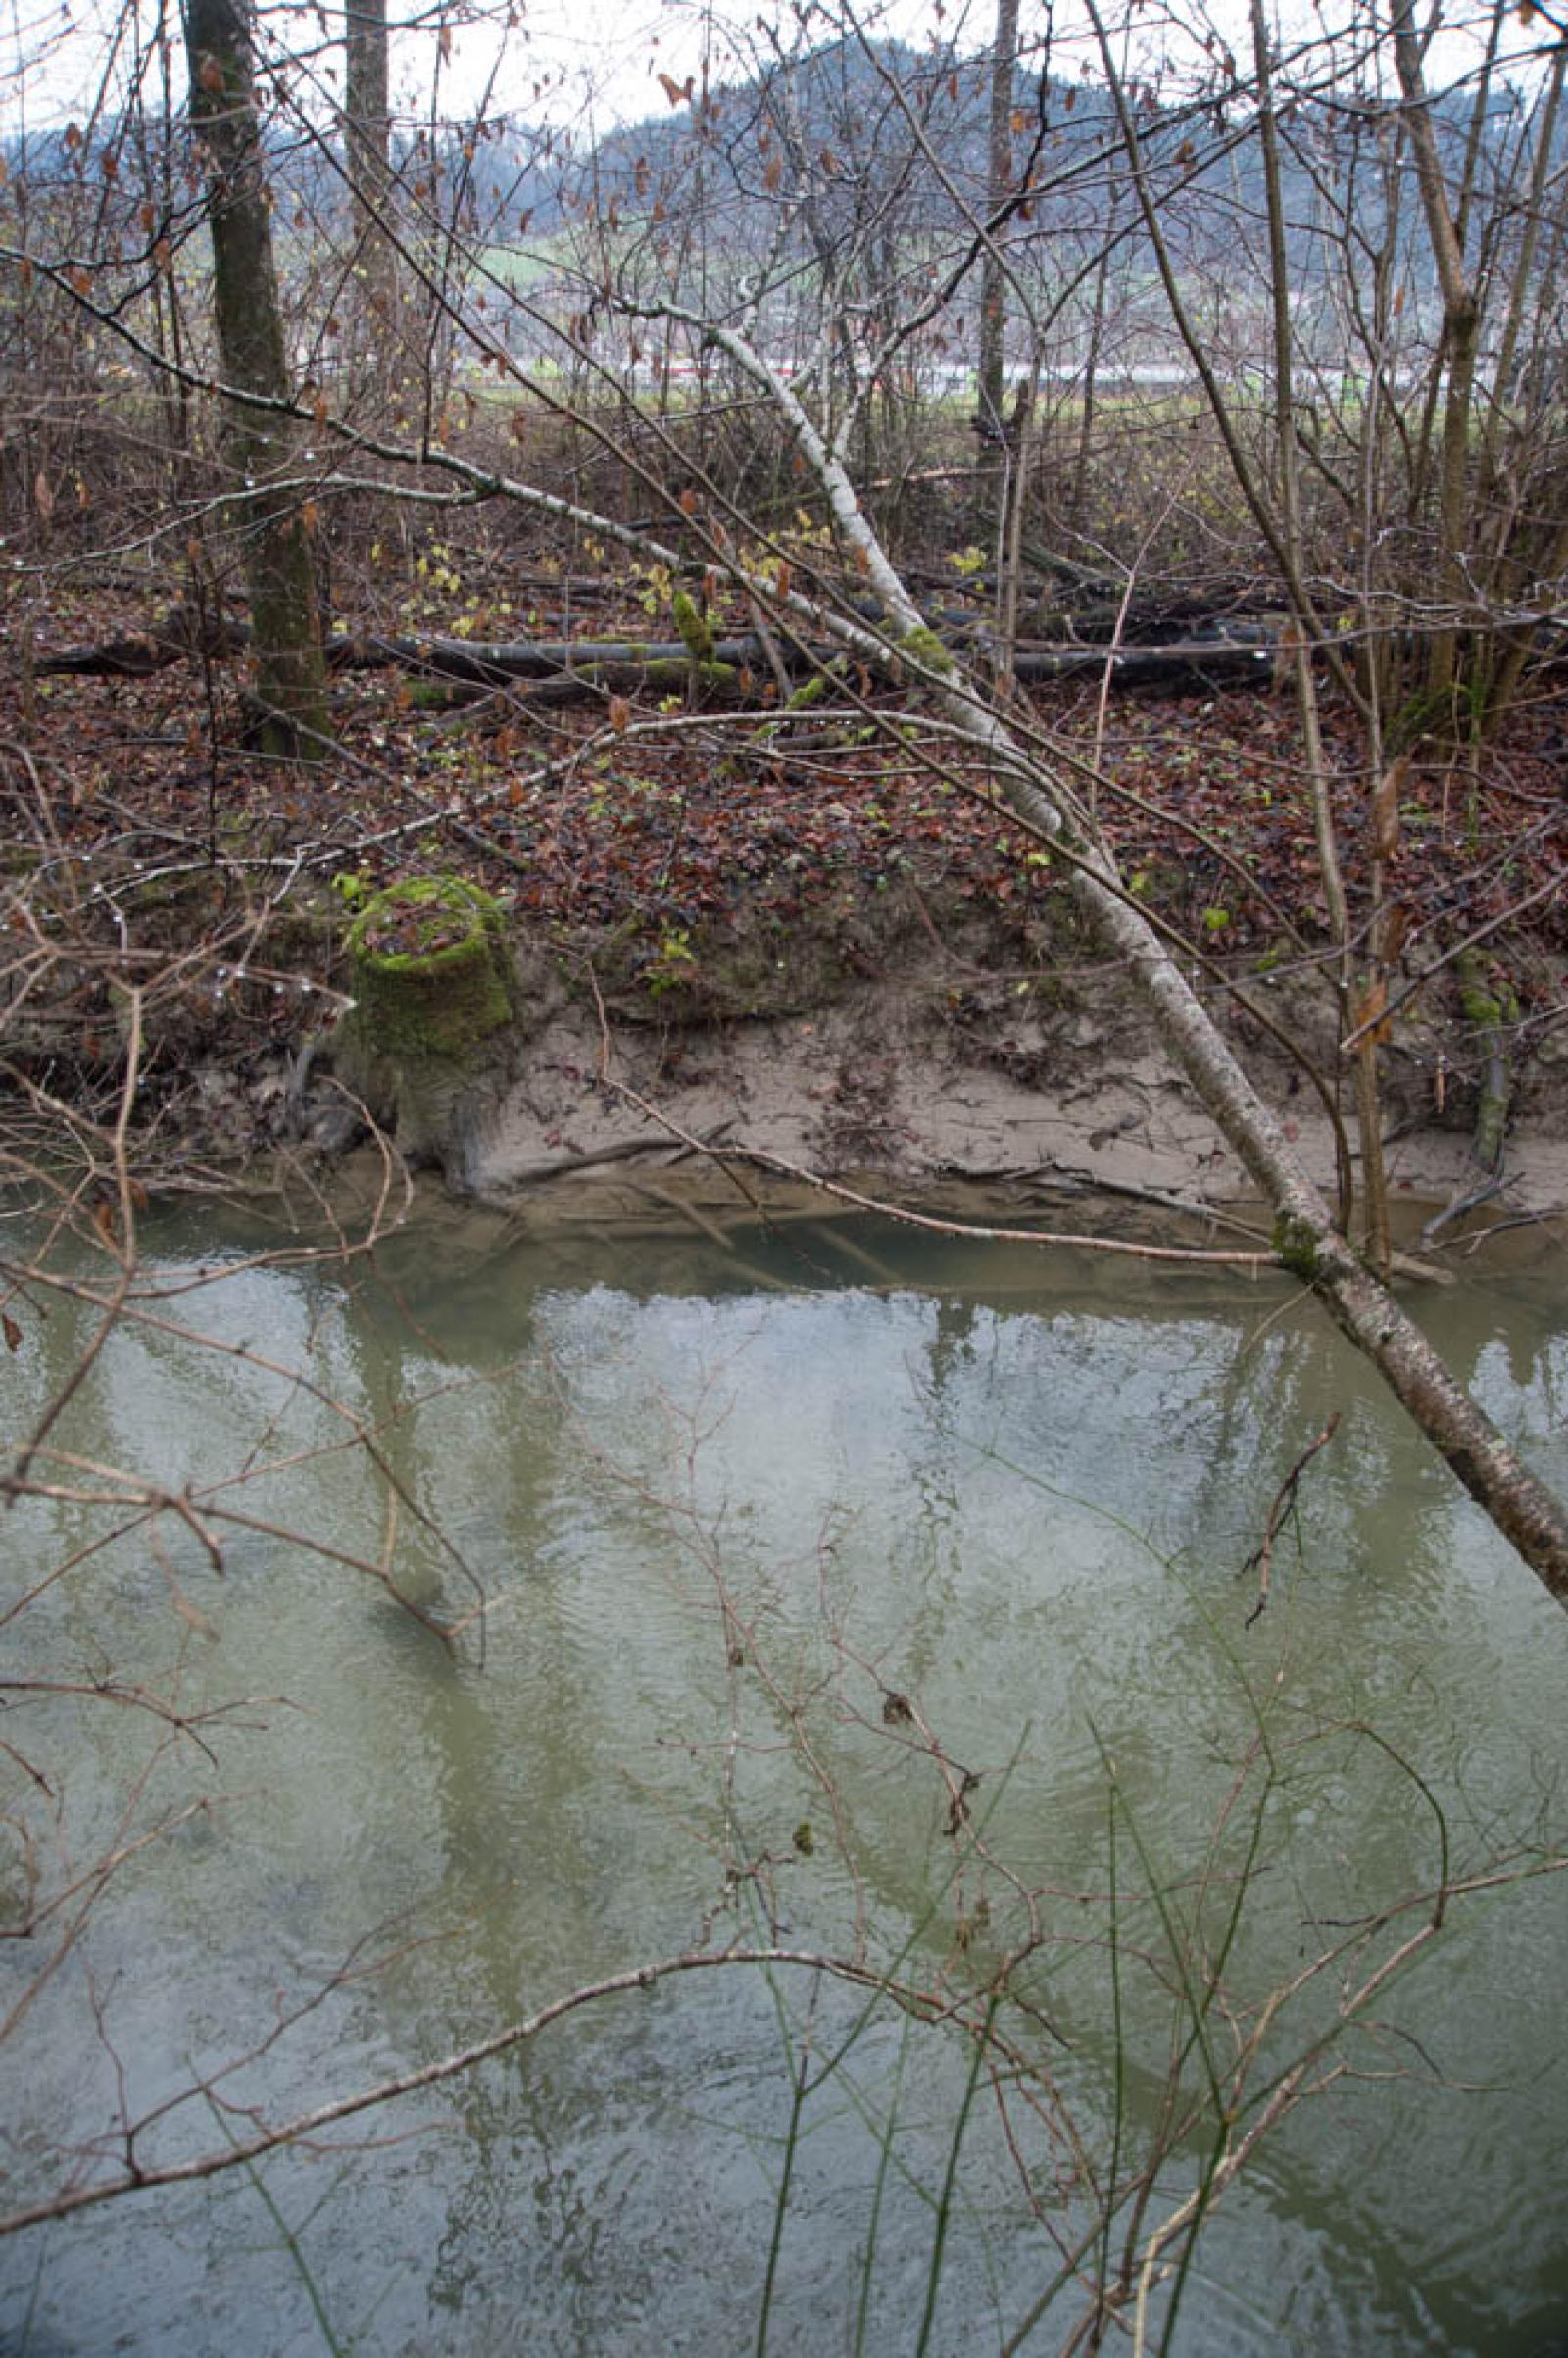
x: 744, y: 1547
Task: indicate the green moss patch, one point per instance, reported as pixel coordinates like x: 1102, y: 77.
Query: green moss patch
x: 1296, y: 1246
x: 430, y: 973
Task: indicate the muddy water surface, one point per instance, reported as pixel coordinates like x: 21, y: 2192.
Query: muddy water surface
x: 842, y: 1594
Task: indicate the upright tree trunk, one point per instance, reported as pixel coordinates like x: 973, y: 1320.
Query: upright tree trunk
x: 1461, y: 335
x: 990, y: 420
x: 368, y: 161
x: 280, y: 572
x: 1367, y: 1098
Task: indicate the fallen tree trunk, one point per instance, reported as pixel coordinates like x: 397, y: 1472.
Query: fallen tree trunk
x: 632, y: 666
x: 174, y: 638
x: 627, y: 664
x: 500, y: 663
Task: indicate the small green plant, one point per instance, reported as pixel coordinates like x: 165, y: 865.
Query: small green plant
x: 672, y: 963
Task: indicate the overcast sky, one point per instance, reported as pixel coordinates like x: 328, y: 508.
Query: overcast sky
x: 593, y: 62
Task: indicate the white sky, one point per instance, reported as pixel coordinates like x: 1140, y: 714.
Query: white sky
x: 593, y: 62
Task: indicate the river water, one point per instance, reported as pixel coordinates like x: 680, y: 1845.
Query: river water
x: 871, y: 1598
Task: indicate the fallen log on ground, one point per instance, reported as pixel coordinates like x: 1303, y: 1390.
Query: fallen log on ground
x: 624, y: 666
x: 662, y: 667
x: 174, y: 638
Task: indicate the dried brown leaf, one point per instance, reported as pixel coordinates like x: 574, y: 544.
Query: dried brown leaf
x: 1386, y: 807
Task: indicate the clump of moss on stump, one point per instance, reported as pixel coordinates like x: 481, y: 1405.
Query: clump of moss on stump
x: 431, y: 979
x: 436, y: 1017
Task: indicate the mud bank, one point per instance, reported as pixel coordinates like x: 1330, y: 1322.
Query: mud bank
x: 913, y: 1084
x: 990, y: 1057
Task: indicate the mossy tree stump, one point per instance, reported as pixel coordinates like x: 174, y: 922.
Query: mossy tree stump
x: 435, y: 1003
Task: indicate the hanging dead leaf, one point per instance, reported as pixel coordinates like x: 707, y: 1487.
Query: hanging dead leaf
x: 43, y: 498
x: 12, y: 1332
x: 772, y: 173
x: 688, y: 502
x: 446, y: 44
x: 210, y: 73
x: 1393, y: 929
x: 103, y: 1219
x: 1370, y: 1012
x: 1386, y: 807
x: 679, y: 94
x: 619, y: 714
x: 310, y: 516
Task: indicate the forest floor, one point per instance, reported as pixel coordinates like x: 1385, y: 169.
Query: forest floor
x: 809, y: 937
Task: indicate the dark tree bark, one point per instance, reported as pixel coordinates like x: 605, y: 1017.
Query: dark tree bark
x: 280, y: 571
x: 368, y: 160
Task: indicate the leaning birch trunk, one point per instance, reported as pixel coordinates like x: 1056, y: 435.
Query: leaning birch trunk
x: 1306, y: 1238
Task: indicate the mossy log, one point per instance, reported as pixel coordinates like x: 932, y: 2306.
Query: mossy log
x: 435, y: 1009
x: 429, y: 973
x: 1492, y: 1011
x: 567, y: 669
